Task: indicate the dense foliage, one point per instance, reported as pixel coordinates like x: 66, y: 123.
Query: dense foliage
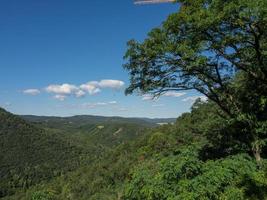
x: 216, y: 47
x: 168, y: 162
x: 217, y: 151
x: 31, y: 153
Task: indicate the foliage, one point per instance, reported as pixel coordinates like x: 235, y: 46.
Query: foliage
x: 175, y: 161
x: 216, y: 47
x: 184, y: 176
x: 42, y: 195
x: 29, y: 155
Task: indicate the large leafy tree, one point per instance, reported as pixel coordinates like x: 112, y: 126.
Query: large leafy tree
x: 217, y: 47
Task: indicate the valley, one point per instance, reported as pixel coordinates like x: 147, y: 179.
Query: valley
x: 133, y: 100
x: 36, y: 149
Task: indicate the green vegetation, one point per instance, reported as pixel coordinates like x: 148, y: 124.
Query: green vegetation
x: 218, y: 48
x: 91, y: 130
x: 40, y: 151
x: 29, y: 155
x: 218, y: 151
x: 178, y: 161
x: 188, y: 169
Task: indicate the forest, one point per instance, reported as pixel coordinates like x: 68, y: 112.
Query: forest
x: 217, y: 151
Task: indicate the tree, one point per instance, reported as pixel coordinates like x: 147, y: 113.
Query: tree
x: 216, y: 47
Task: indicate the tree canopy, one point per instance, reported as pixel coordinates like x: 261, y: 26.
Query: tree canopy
x: 216, y: 47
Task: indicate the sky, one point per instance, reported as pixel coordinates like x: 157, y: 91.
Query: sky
x: 65, y: 57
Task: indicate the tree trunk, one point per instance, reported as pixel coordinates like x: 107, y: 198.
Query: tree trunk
x: 257, y: 153
x: 257, y: 156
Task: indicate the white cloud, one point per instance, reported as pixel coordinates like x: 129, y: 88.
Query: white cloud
x: 80, y: 93
x: 101, y: 104
x: 94, y: 87
x: 148, y: 97
x: 90, y: 87
x: 194, y: 98
x: 173, y: 94
x: 113, y: 84
x: 64, y: 89
x: 32, y: 92
x: 60, y: 97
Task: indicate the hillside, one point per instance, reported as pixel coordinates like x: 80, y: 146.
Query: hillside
x: 86, y: 129
x: 34, y: 149
x: 205, y: 61
x: 29, y: 154
x: 184, y: 160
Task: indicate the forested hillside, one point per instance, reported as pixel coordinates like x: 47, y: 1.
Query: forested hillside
x: 217, y: 151
x: 80, y: 120
x: 29, y: 154
x: 38, y: 149
x: 186, y: 160
x: 96, y: 130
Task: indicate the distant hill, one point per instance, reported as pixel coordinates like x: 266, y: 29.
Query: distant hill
x: 91, y: 119
x: 36, y: 148
x: 89, y: 129
x: 107, y: 131
x: 160, y: 120
x: 29, y: 154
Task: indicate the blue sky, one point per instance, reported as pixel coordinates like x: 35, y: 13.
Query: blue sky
x: 64, y: 57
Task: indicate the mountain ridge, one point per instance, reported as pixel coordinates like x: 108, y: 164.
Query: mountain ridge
x: 100, y: 118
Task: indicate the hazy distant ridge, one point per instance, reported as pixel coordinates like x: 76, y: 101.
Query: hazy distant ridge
x: 98, y: 119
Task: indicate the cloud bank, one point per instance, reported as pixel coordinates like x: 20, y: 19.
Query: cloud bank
x: 61, y: 92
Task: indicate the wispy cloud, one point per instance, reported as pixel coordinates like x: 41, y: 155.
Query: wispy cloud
x: 158, y: 105
x: 98, y: 104
x: 80, y: 93
x: 123, y: 109
x: 60, y: 97
x: 112, y: 102
x: 32, y: 92
x: 173, y: 94
x: 147, y: 97
x: 7, y: 104
x: 194, y: 98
